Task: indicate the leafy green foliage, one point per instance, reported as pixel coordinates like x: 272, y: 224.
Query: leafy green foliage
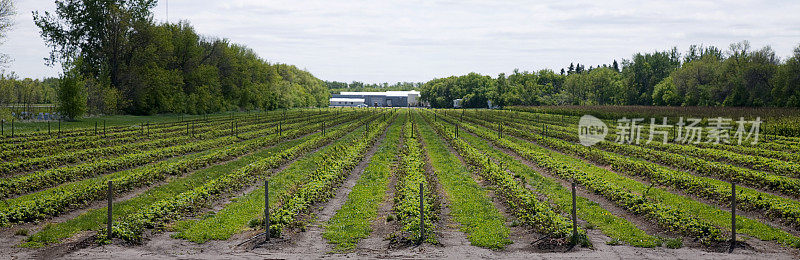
x: 407, y: 197
x: 706, y: 77
x: 71, y: 96
x: 470, y: 204
x: 520, y: 200
x: 142, y: 67
x: 353, y: 221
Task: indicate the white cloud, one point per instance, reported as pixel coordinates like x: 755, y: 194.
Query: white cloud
x: 377, y: 41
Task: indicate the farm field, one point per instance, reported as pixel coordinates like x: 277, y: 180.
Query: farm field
x: 392, y: 183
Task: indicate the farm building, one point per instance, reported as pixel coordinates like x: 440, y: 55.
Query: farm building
x: 378, y: 99
x: 346, y: 102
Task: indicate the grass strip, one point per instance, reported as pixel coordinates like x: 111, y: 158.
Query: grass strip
x: 470, y: 204
x: 353, y: 221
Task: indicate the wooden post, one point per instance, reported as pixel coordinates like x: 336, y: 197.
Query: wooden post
x: 104, y: 128
x: 421, y: 214
x: 95, y: 127
x: 59, y: 127
x: 3, y: 127
x: 12, y: 127
x: 574, y: 216
x: 266, y: 209
x: 110, y: 195
x: 48, y: 127
x: 733, y: 216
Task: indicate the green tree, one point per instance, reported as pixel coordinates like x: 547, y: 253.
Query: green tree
x: 96, y: 31
x: 786, y: 82
x: 644, y: 71
x: 71, y: 96
x: 7, y: 13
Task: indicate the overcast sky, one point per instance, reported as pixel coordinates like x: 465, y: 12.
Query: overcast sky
x: 383, y: 41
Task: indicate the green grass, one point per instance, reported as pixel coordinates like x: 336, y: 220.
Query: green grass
x: 470, y: 204
x: 236, y: 216
x: 352, y: 222
x: 94, y: 219
x: 587, y: 210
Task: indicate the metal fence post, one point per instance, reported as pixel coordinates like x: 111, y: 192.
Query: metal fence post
x: 110, y: 194
x: 574, y: 216
x: 733, y: 216
x: 421, y: 214
x: 266, y: 209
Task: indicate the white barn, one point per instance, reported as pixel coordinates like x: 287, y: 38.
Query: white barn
x: 346, y: 102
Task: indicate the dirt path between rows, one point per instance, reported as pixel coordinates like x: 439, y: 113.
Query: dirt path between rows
x: 310, y: 242
x: 378, y: 242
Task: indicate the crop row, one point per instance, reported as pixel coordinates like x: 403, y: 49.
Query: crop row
x: 768, y: 127
x: 54, y: 146
x: 69, y: 196
x: 669, y: 218
x: 615, y: 227
x: 529, y: 209
x: 410, y: 176
x: 238, y: 214
x: 786, y: 210
x: 44, y: 139
x: 786, y: 168
x: 42, y: 135
x: 328, y: 175
x: 352, y: 222
x: 768, y: 148
x: 48, y: 178
x: 752, y: 178
x: 188, y: 202
x: 470, y: 204
x: 163, y: 140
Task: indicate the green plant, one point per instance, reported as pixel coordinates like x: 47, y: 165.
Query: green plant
x: 674, y: 243
x: 21, y: 232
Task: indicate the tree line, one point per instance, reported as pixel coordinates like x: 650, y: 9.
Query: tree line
x: 25, y: 95
x: 117, y: 59
x: 336, y: 87
x: 703, y: 76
